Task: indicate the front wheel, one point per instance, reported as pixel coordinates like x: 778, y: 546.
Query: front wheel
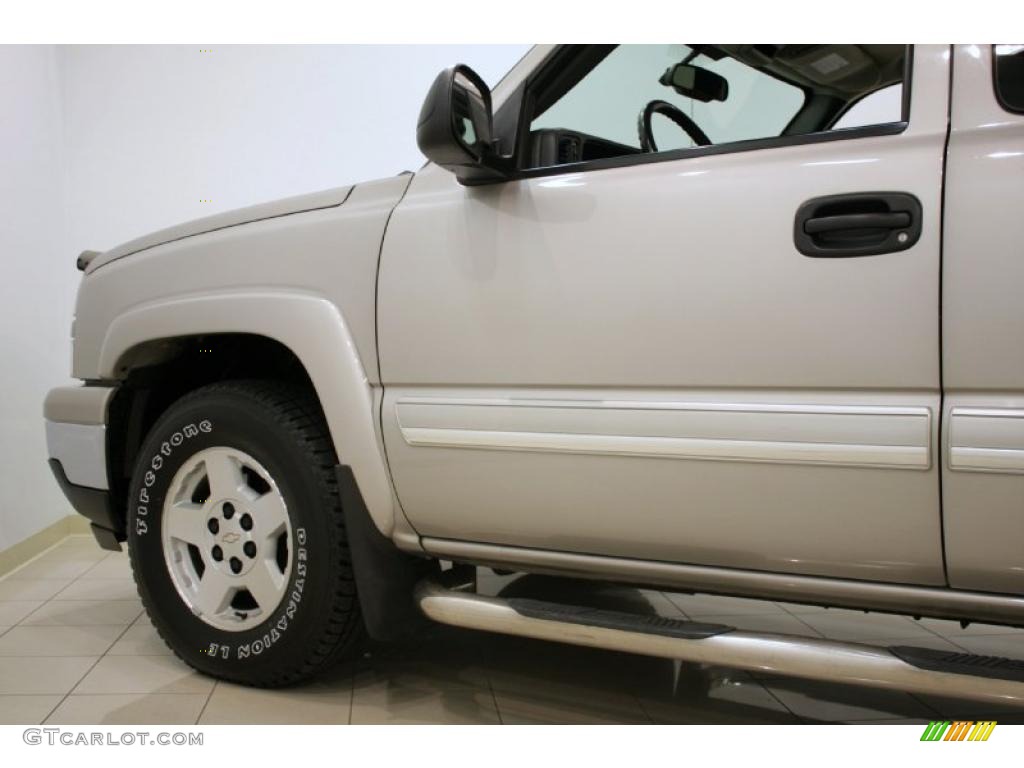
x: 237, y: 537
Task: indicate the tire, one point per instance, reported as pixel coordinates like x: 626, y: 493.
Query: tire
x: 222, y: 457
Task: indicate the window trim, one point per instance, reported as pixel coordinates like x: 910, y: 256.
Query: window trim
x: 747, y: 145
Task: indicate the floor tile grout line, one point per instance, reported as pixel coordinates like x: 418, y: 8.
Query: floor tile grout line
x: 953, y: 639
x: 85, y: 574
x: 79, y: 580
x: 494, y: 699
x: 647, y: 712
x: 352, y: 693
x: 84, y: 655
x: 816, y: 632
x: 928, y: 707
x: 963, y: 648
x: 80, y: 626
x: 929, y: 629
x: 797, y: 617
x: 10, y: 573
x: 772, y: 693
x: 642, y: 709
x: 86, y: 674
x: 73, y: 581
x: 105, y: 695
x: 869, y: 614
x: 206, y: 703
x: 671, y: 602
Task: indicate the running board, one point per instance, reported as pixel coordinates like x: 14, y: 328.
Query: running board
x: 917, y: 670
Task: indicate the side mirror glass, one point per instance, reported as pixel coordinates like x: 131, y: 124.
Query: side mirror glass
x: 696, y: 83
x: 455, y: 126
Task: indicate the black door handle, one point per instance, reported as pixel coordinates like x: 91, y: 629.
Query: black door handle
x: 857, y: 221
x: 859, y: 224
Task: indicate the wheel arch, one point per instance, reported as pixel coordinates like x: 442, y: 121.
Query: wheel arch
x: 306, y: 327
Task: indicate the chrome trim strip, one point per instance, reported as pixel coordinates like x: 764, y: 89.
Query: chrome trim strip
x: 760, y: 451
x: 838, y: 435
x: 671, y: 405
x: 937, y: 602
x: 811, y: 658
x: 986, y: 440
x: 82, y: 451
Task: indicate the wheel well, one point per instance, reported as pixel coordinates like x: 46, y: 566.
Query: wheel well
x: 156, y: 373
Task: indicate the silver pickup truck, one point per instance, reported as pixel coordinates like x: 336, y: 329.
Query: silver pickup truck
x: 738, y: 319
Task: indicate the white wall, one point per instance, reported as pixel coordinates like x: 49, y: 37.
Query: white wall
x: 100, y: 144
x: 36, y: 287
x: 153, y: 130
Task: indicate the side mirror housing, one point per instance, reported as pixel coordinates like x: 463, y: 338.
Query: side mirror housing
x: 456, y: 124
x: 696, y: 83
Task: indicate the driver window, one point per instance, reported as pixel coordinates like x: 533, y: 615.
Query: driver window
x: 719, y: 94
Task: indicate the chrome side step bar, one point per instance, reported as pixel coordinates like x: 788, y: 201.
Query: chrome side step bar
x: 937, y: 602
x: 995, y: 681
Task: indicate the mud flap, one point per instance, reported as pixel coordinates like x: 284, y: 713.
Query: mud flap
x: 385, y: 576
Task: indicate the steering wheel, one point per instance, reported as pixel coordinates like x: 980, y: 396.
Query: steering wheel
x: 673, y: 113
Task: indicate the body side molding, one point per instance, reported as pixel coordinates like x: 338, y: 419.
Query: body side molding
x: 844, y: 435
x: 986, y: 440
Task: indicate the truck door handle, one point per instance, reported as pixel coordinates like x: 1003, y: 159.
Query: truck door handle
x: 859, y: 224
x: 857, y: 221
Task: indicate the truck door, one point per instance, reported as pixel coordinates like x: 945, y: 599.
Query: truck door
x: 724, y: 354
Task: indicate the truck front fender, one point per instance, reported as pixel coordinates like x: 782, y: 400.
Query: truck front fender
x: 315, y: 331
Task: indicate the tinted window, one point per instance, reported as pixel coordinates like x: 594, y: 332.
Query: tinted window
x: 1009, y: 64
x: 607, y: 102
x: 884, y: 106
x: 632, y: 100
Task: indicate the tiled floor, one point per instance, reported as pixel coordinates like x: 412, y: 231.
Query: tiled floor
x: 75, y: 648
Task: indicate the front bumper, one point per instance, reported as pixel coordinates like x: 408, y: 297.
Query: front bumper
x: 76, y: 441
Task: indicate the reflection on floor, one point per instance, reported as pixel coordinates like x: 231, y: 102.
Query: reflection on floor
x: 75, y: 648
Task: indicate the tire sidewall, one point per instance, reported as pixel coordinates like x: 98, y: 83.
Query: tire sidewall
x: 220, y: 420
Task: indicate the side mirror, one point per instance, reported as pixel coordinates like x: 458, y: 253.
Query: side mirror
x: 696, y: 83
x: 455, y: 126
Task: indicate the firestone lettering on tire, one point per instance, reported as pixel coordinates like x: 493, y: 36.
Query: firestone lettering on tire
x: 156, y: 463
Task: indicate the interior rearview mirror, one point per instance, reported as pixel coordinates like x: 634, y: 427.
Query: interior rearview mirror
x: 696, y: 82
x: 455, y: 126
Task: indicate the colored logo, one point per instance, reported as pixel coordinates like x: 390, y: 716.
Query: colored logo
x: 958, y: 730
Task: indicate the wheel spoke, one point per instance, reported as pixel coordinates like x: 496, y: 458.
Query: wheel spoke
x: 215, y: 592
x: 265, y: 583
x: 269, y: 517
x: 225, y: 475
x: 185, y: 521
x: 237, y: 530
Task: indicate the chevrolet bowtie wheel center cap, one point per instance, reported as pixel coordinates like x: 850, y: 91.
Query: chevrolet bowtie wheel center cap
x: 231, y: 546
